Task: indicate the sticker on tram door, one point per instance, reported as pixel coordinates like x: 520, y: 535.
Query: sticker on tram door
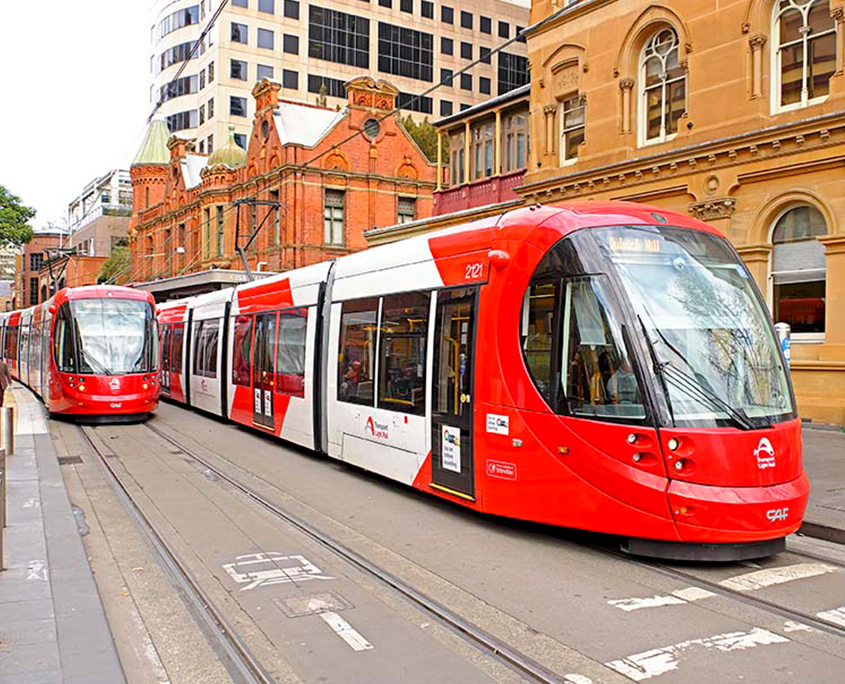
x: 257, y: 401
x: 498, y: 425
x: 501, y: 470
x: 268, y: 403
x: 450, y: 451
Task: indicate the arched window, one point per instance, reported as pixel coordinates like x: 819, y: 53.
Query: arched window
x: 804, y: 43
x: 798, y: 269
x: 663, y: 87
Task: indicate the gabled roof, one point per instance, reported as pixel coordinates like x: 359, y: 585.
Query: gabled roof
x: 154, y: 148
x: 303, y: 124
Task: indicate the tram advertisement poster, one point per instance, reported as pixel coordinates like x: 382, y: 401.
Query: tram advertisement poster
x: 451, y: 448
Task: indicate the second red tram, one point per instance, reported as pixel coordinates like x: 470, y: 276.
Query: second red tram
x: 603, y: 366
x: 87, y: 351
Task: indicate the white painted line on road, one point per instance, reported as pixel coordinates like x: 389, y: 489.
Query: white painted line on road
x: 837, y: 615
x: 693, y: 593
x: 792, y: 626
x: 676, y: 598
x: 658, y: 661
x: 751, y: 581
x: 577, y: 679
x: 346, y: 632
x: 630, y: 604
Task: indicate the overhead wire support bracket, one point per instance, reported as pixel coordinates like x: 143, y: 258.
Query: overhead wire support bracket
x: 275, y: 204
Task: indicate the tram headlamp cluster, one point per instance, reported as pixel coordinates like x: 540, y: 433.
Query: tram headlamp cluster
x: 679, y: 465
x: 674, y: 443
x: 632, y: 438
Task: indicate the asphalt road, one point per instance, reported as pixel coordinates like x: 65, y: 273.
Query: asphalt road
x: 580, y: 612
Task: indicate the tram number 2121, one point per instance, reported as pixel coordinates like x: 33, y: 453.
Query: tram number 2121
x: 474, y: 271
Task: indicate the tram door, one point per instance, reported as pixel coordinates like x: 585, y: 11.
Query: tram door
x: 263, y: 372
x: 165, y: 358
x: 452, y: 395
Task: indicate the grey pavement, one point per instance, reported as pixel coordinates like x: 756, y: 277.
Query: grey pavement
x: 824, y: 461
x: 52, y: 624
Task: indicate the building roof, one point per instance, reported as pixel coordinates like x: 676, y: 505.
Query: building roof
x: 154, y: 148
x: 514, y: 94
x: 231, y: 154
x: 192, y: 164
x: 301, y: 124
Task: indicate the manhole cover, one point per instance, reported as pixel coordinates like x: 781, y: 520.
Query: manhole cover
x: 69, y: 460
x: 311, y: 604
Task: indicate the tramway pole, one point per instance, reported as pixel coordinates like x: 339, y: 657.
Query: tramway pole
x: 275, y: 204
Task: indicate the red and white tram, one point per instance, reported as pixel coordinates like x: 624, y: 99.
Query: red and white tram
x: 87, y: 351
x: 603, y: 366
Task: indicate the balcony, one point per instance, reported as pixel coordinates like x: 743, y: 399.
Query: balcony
x: 478, y: 193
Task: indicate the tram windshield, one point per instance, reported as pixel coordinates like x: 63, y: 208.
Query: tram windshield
x: 113, y: 336
x: 704, y: 325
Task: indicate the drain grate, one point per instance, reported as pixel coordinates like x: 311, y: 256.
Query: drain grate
x: 69, y: 460
x: 311, y: 604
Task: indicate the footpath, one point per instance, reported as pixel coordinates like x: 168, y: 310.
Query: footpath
x: 52, y: 624
x: 824, y: 461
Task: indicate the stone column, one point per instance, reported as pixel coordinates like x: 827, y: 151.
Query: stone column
x: 838, y: 14
x: 549, y: 112
x: 834, y: 251
x: 757, y: 42
x: 497, y: 145
x: 626, y: 85
x: 466, y: 152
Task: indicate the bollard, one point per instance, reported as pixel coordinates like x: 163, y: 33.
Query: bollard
x: 783, y: 331
x: 7, y: 425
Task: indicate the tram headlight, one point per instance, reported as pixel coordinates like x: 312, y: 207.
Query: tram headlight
x: 674, y: 443
x: 145, y: 386
x: 632, y: 438
x: 82, y: 388
x: 679, y: 465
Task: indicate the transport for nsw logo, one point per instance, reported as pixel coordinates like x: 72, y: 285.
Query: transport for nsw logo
x: 376, y: 429
x: 765, y: 454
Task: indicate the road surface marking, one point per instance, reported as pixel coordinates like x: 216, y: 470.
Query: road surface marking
x: 36, y: 570
x: 792, y: 626
x: 577, y: 679
x: 658, y: 661
x: 271, y: 567
x: 679, y: 597
x: 346, y: 632
x: 837, y: 615
x: 751, y: 581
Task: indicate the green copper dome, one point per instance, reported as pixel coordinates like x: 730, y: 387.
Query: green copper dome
x: 231, y: 154
x: 154, y: 148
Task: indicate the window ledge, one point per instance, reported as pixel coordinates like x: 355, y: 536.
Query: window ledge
x: 796, y: 107
x: 807, y: 338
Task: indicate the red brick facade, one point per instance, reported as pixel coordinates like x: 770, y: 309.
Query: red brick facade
x: 289, y: 159
x: 27, y: 286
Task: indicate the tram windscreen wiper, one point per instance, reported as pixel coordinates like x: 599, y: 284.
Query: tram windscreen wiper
x: 95, y: 365
x: 696, y: 388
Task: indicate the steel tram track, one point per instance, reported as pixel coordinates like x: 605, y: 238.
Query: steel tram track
x: 743, y: 597
x: 526, y: 666
x: 237, y: 658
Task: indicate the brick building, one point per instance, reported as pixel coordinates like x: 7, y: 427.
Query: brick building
x: 27, y: 265
x: 329, y: 189
x: 67, y: 270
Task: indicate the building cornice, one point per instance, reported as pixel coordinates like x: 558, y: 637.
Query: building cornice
x: 775, y: 142
x: 563, y: 15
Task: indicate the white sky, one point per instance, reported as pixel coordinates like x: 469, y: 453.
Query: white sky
x: 75, y: 85
x: 75, y: 88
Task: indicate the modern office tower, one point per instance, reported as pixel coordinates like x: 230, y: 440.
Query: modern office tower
x: 312, y: 49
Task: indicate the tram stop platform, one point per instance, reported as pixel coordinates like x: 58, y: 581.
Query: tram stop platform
x: 52, y: 624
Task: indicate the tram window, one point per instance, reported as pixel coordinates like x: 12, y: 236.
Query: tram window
x: 538, y: 331
x: 176, y: 349
x: 403, y: 330
x: 596, y: 372
x: 165, y: 347
x: 290, y: 359
x: 205, y: 356
x: 356, y: 361
x: 241, y: 364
